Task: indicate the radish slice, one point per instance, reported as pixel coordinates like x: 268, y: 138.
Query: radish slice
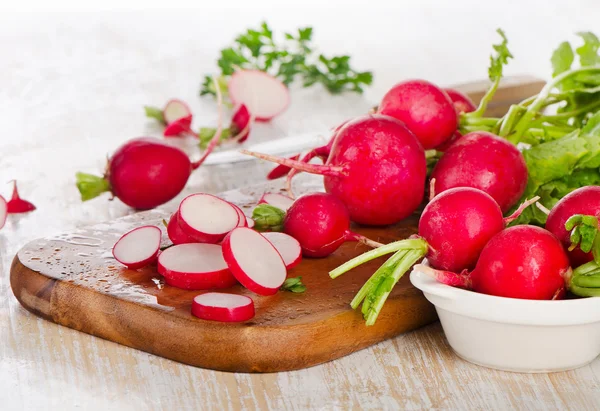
x: 254, y: 261
x: 195, y: 267
x: 276, y: 200
x: 242, y: 217
x: 178, y: 127
x: 3, y: 211
x: 206, y: 218
x: 249, y: 222
x: 223, y: 307
x: 287, y: 246
x: 176, y: 109
x: 176, y: 233
x: 139, y: 247
x: 264, y: 95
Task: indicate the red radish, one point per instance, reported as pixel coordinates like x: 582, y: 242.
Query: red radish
x: 3, y: 211
x: 206, y: 218
x: 280, y: 171
x: 176, y: 233
x: 425, y: 109
x: 250, y: 222
x: 377, y: 168
x: 195, y: 267
x: 264, y: 95
x: 485, y: 161
x: 287, y: 246
x: 523, y: 261
x: 584, y: 201
x: 179, y: 127
x: 254, y: 261
x: 139, y: 247
x: 276, y: 200
x: 243, y: 221
x: 176, y: 109
x: 223, y: 307
x: 16, y: 204
x: 462, y: 103
x: 321, y: 224
x: 240, y: 124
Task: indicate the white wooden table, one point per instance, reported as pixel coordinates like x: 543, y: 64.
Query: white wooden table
x: 71, y: 90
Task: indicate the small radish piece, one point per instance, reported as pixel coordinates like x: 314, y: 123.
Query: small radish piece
x: 16, y: 204
x: 276, y: 200
x: 280, y: 170
x: 195, y: 267
x: 240, y: 124
x: 264, y: 95
x: 3, y: 211
x: 139, y: 247
x: 206, y: 218
x: 243, y: 221
x: 223, y: 307
x: 179, y: 127
x: 254, y: 261
x: 250, y: 222
x: 462, y: 103
x: 176, y: 233
x: 287, y: 246
x: 176, y: 109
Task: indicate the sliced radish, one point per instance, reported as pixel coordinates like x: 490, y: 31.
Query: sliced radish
x: 176, y: 233
x: 249, y: 222
x: 195, y: 267
x: 3, y: 211
x: 179, y: 127
x: 139, y: 247
x: 254, y: 261
x: 176, y: 109
x: 264, y: 95
x: 287, y: 246
x: 223, y: 307
x: 206, y: 218
x: 276, y: 200
x: 242, y: 217
x: 281, y: 170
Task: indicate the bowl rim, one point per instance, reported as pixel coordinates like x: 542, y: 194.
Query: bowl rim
x: 504, y: 309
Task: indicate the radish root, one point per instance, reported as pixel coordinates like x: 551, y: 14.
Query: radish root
x: 350, y: 236
x: 462, y: 280
x: 518, y: 211
x: 334, y: 171
x: 217, y: 137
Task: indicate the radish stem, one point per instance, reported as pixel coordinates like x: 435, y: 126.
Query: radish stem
x: 334, y: 171
x: 518, y: 211
x: 215, y: 140
x: 350, y: 236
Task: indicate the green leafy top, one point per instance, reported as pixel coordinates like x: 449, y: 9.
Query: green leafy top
x: 498, y: 61
x: 293, y: 58
x: 294, y: 285
x: 268, y: 218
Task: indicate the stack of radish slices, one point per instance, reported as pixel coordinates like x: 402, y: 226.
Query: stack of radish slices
x: 214, y: 247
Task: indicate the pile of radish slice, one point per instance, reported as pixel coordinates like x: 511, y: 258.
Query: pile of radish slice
x: 214, y: 247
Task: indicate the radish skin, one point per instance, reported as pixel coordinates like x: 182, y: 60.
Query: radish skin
x: 223, y: 307
x: 16, y: 204
x: 207, y: 218
x: 264, y: 95
x: 138, y: 248
x: 462, y: 103
x: 176, y: 233
x: 240, y: 124
x: 287, y: 246
x: 179, y: 127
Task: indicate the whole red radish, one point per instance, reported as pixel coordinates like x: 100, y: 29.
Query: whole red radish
x: 584, y: 201
x: 143, y: 173
x: 462, y: 103
x: 377, y: 168
x: 485, y: 161
x: 425, y: 109
x: 16, y: 204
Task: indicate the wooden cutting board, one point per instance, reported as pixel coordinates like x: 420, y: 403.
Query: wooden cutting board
x: 72, y: 280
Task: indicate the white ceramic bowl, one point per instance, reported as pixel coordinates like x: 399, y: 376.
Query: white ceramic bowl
x: 512, y: 334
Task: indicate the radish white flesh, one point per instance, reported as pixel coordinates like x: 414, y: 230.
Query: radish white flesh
x: 3, y: 211
x: 139, y: 247
x: 195, y: 267
x: 242, y: 217
x: 249, y: 222
x: 223, y: 307
x: 264, y: 95
x: 277, y: 200
x: 254, y: 261
x: 207, y: 218
x: 174, y: 110
x: 287, y: 246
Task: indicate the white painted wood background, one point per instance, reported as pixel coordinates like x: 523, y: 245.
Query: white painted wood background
x: 73, y: 79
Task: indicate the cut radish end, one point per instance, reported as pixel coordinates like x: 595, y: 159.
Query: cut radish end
x: 16, y: 204
x: 176, y: 233
x: 240, y: 123
x: 3, y: 211
x: 223, y: 307
x: 287, y: 246
x: 138, y: 248
x: 277, y: 200
x: 195, y: 267
x: 178, y: 127
x: 281, y: 170
x: 250, y: 222
x: 264, y: 95
x: 254, y: 261
x: 206, y: 218
x: 242, y: 217
x: 176, y: 109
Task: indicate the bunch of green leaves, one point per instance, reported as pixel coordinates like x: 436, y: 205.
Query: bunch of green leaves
x: 293, y: 285
x: 292, y: 58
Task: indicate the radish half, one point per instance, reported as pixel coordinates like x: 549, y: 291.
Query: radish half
x: 206, y: 218
x: 176, y: 109
x: 264, y: 95
x: 254, y: 261
x: 139, y: 247
x: 223, y: 307
x: 3, y: 211
x: 195, y: 267
x: 287, y: 246
x: 276, y: 200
